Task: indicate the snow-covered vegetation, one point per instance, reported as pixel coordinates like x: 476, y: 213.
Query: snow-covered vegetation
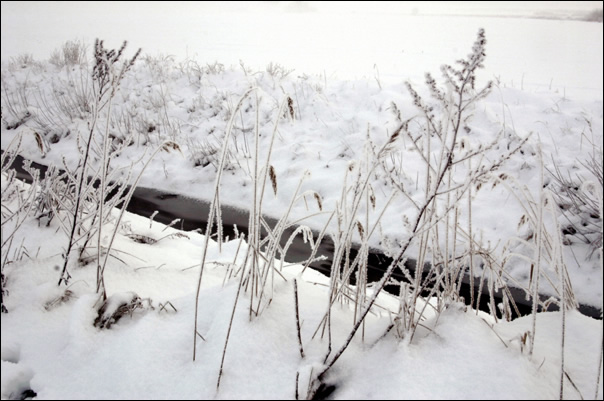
x: 466, y: 176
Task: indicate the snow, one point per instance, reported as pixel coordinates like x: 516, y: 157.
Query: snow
x: 50, y: 343
x: 61, y: 355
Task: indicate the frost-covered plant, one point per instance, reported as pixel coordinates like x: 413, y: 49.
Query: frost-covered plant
x: 545, y: 255
x: 277, y: 72
x: 24, y: 60
x: 214, y: 68
x: 159, y: 66
x: 80, y: 199
x: 71, y: 53
x: 206, y: 152
x: 193, y: 70
x: 107, y: 73
x: 349, y: 268
x: 47, y: 109
x: 443, y: 120
x: 17, y: 203
x: 579, y: 198
x: 258, y: 272
x: 215, y: 217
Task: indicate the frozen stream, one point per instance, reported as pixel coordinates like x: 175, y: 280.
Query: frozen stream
x: 193, y: 215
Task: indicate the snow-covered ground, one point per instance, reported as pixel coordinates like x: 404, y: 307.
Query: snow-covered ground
x: 50, y: 345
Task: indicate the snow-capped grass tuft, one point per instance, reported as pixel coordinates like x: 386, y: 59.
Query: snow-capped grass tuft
x: 115, y: 307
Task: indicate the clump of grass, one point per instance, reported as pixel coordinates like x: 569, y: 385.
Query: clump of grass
x: 214, y: 217
x: 18, y: 202
x: 64, y: 297
x: 81, y: 199
x: 145, y: 239
x: 71, y: 53
x: 542, y: 250
x: 48, y: 110
x: 206, y: 152
x: 24, y: 60
x: 579, y: 197
x: 115, y: 307
x: 258, y: 272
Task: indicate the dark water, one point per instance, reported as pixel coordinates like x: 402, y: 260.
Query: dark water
x: 194, y: 213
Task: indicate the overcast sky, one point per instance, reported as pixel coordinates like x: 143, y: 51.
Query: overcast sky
x: 346, y: 39
x: 39, y: 27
